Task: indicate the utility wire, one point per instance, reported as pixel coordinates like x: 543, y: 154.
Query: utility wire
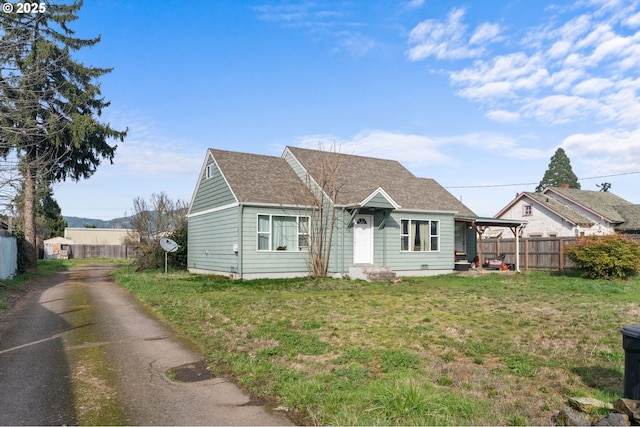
x: 536, y: 183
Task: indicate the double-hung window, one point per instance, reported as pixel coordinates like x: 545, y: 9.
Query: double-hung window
x: 419, y: 235
x: 283, y: 233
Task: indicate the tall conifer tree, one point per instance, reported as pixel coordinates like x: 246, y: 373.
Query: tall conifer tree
x: 50, y: 105
x: 559, y: 172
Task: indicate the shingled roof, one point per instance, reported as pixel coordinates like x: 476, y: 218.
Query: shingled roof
x: 562, y: 210
x: 631, y: 215
x: 358, y: 177
x: 602, y: 203
x: 255, y: 178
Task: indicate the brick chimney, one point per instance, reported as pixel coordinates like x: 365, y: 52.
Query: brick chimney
x: 564, y: 185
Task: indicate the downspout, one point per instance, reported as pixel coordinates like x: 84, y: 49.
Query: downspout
x: 342, y: 227
x: 384, y: 246
x: 240, y: 242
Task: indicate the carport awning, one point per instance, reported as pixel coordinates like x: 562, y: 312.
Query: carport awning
x: 491, y: 222
x: 480, y: 223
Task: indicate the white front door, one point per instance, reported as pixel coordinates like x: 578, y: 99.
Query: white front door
x: 363, y: 239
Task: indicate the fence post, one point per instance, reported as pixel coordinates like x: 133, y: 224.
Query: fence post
x: 561, y: 253
x: 526, y: 254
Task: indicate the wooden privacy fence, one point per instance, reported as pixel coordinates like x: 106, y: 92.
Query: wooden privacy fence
x: 101, y: 251
x: 542, y: 253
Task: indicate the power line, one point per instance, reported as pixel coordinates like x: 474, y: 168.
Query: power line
x: 536, y: 183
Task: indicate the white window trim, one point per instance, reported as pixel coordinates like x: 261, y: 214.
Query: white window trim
x: 210, y: 171
x: 269, y: 233
x: 409, y: 235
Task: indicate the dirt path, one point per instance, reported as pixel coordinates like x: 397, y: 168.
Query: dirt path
x: 78, y: 349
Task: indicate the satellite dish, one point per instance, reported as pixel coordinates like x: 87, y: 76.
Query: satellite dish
x: 169, y: 245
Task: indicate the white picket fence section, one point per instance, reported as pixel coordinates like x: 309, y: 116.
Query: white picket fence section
x: 8, y: 257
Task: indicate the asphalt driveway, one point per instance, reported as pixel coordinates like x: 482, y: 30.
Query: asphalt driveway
x: 80, y: 349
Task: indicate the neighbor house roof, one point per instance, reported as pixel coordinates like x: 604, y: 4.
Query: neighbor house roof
x: 358, y: 177
x: 631, y: 215
x: 624, y: 215
x: 560, y: 209
x: 256, y: 178
x: 602, y: 203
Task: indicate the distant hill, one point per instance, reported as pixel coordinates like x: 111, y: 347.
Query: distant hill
x: 76, y: 222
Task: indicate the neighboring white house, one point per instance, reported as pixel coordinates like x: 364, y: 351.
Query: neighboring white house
x: 568, y: 212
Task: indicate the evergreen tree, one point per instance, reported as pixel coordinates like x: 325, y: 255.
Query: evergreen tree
x: 49, y: 105
x: 52, y: 220
x: 559, y: 172
x: 49, y: 219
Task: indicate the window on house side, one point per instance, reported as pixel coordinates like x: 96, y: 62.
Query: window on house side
x: 210, y: 170
x: 419, y: 235
x: 527, y: 210
x: 283, y: 233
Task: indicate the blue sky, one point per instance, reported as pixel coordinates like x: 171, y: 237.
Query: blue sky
x: 475, y: 94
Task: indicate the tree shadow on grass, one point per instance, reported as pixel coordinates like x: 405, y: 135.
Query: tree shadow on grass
x: 606, y: 379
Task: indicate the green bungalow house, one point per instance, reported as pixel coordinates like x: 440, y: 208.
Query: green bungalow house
x: 251, y: 216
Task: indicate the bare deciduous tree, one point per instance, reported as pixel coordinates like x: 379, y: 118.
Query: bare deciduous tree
x: 324, y: 188
x: 151, y: 220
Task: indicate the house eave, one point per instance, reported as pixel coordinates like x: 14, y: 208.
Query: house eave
x: 380, y: 191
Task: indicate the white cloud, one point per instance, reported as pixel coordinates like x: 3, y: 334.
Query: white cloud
x: 573, y: 29
x: 563, y: 80
x: 559, y: 49
x: 443, y: 40
x: 591, y: 86
x: 416, y: 151
x: 355, y: 43
x: 564, y: 71
x: 609, y: 151
x: 409, y: 149
x: 415, y: 4
x: 147, y: 151
x: 503, y: 116
x: 633, y: 20
x: 484, y: 33
x: 501, y: 78
x: 558, y: 109
x: 501, y: 145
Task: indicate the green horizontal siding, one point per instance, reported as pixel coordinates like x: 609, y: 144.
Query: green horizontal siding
x: 399, y: 260
x: 211, y: 193
x: 271, y: 262
x: 211, y: 238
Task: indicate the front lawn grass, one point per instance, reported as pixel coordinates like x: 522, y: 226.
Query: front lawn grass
x: 446, y: 350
